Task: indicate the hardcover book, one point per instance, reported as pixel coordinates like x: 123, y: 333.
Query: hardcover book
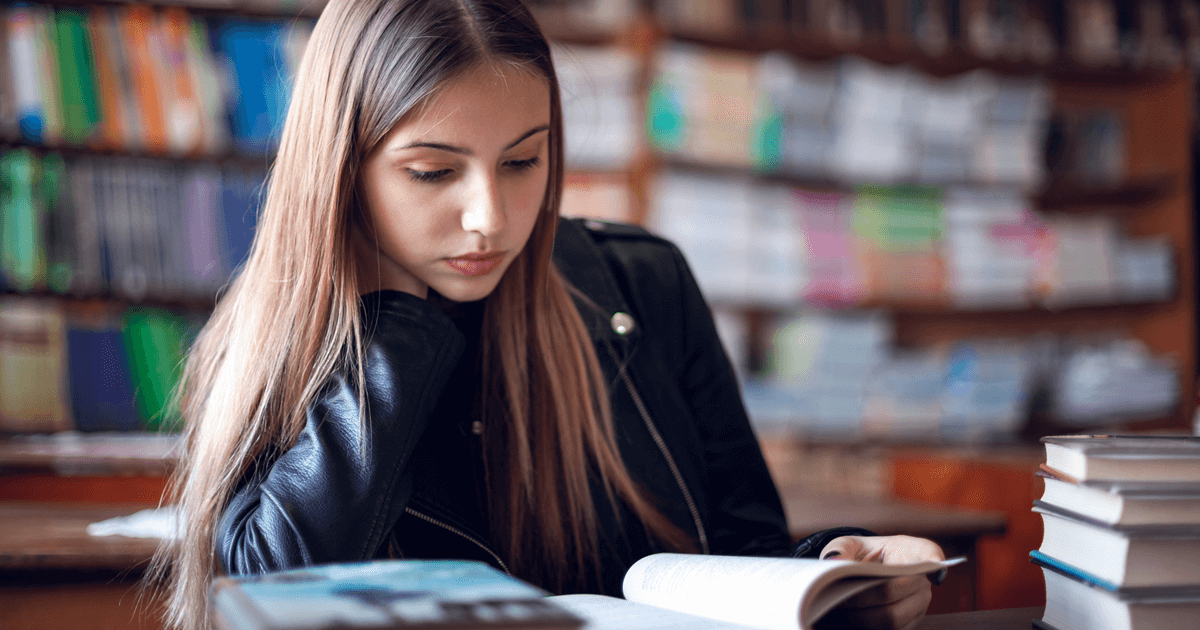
x: 1076, y: 600
x: 1126, y: 503
x: 1146, y: 458
x: 1128, y: 557
x: 442, y: 594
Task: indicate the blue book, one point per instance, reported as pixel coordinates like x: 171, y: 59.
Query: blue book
x: 441, y: 594
x: 255, y: 52
x: 102, y: 397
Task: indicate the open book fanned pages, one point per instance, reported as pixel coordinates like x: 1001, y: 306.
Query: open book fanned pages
x: 679, y: 591
x: 416, y: 594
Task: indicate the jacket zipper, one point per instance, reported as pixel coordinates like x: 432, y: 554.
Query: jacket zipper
x: 434, y: 521
x: 662, y: 447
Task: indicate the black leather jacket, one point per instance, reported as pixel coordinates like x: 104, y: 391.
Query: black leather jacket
x: 339, y: 496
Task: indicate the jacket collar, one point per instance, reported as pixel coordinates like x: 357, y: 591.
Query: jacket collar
x: 582, y: 264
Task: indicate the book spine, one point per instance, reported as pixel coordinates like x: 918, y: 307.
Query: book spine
x: 27, y: 77
x: 46, y: 59
x: 89, y: 235
x: 32, y: 397
x: 135, y: 31
x: 111, y: 125
x: 9, y: 129
x: 76, y: 76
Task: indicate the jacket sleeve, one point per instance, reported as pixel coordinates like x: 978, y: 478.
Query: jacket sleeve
x: 336, y: 493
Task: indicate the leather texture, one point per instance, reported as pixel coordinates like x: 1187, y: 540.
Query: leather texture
x: 359, y: 482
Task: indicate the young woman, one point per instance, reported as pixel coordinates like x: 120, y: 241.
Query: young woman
x: 421, y: 360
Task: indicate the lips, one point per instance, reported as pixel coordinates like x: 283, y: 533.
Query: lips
x: 476, y: 264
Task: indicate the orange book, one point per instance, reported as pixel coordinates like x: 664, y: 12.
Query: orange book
x: 111, y: 132
x: 136, y: 25
x: 185, y: 129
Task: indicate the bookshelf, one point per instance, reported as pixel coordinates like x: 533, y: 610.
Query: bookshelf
x: 1152, y: 199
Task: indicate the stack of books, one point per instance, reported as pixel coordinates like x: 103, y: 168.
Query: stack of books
x: 1121, y: 543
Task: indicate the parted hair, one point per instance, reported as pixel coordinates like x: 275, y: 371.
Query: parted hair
x: 291, y: 318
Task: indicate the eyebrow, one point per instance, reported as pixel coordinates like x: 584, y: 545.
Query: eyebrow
x: 465, y: 151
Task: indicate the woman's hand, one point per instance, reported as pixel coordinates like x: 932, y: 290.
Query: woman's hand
x: 899, y: 603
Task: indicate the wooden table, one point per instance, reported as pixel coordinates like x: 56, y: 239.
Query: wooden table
x: 54, y: 575
x: 957, y: 530
x: 1007, y: 619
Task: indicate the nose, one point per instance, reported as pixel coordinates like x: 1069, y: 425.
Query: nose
x: 483, y: 211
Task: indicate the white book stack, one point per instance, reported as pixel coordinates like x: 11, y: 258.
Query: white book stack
x: 987, y: 390
x: 799, y: 97
x: 709, y: 220
x: 820, y: 366
x: 873, y: 139
x: 775, y: 252
x: 600, y: 105
x: 1114, y: 382
x: 1145, y: 270
x: 1009, y: 151
x: 1084, y: 266
x: 948, y: 117
x: 1121, y: 544
x: 988, y: 248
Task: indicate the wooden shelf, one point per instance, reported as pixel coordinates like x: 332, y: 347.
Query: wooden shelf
x: 282, y: 9
x: 812, y: 47
x: 229, y: 159
x: 92, y: 454
x: 933, y: 309
x: 54, y: 536
x: 1067, y: 196
x: 107, y: 302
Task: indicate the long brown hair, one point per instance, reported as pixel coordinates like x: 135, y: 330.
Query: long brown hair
x: 291, y: 318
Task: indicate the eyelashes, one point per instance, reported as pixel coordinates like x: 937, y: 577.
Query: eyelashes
x: 428, y: 177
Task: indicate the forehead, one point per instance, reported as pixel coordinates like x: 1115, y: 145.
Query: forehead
x: 497, y: 101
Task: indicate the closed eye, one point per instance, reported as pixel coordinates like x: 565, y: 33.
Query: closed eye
x: 523, y: 165
x: 428, y: 176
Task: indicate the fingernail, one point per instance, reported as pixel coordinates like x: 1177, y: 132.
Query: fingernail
x: 831, y: 555
x: 938, y: 577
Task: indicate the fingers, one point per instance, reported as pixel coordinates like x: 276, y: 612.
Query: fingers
x: 844, y: 548
x: 902, y: 614
x: 909, y: 550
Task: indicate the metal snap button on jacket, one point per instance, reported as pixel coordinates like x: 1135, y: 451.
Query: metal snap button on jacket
x: 622, y: 323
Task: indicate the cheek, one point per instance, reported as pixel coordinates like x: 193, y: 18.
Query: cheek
x: 530, y: 196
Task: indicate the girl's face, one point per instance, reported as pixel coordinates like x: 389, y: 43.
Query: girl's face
x: 453, y: 190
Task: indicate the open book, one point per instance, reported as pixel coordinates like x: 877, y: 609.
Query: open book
x: 678, y: 591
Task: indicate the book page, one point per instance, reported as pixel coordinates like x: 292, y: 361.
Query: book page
x: 757, y: 592
x: 769, y: 593
x: 610, y: 613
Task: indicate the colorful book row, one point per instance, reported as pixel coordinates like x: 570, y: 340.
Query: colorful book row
x: 132, y: 228
x: 112, y: 373
x: 136, y: 78
x: 913, y: 246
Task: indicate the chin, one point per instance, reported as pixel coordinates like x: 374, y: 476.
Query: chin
x: 467, y: 289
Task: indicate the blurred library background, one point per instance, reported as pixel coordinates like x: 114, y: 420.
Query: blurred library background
x: 931, y: 231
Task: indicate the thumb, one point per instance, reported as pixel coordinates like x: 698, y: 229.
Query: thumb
x: 844, y: 548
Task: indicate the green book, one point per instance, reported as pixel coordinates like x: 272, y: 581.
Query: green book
x: 76, y: 76
x: 22, y: 241
x: 155, y: 342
